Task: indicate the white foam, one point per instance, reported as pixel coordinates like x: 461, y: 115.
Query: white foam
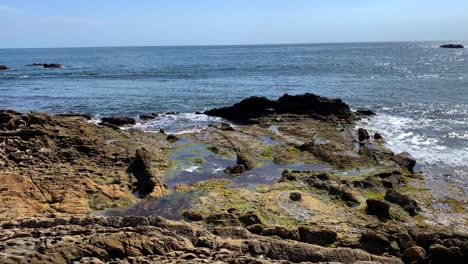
x: 192, y: 168
x: 399, y: 136
x: 178, y: 123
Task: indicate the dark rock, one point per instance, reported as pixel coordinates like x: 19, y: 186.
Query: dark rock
x: 172, y: 113
x: 247, y: 161
x: 249, y: 219
x: 256, y: 229
x: 408, y: 204
x: 363, y: 134
x: 192, y: 216
x: 305, y: 104
x: 405, y: 160
x: 378, y: 208
x: 452, y: 46
x: 148, y: 117
x: 172, y: 138
x: 226, y: 127
x: 378, y: 136
x: 109, y: 125
x: 282, y: 232
x: 295, y: 196
x: 235, y: 170
x: 413, y: 254
x: 46, y: 65
x: 365, y: 112
x: 119, y: 120
x: 141, y: 169
x: 374, y: 242
x: 441, y: 254
x: 317, y: 235
x: 3, y: 67
x: 405, y: 241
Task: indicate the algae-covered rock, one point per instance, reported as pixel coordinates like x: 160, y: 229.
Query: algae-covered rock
x: 378, y: 208
x: 408, y: 204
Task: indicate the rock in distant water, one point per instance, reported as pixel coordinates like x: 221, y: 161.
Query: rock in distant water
x: 46, y: 65
x: 305, y: 104
x: 119, y: 120
x: 452, y: 46
x: 365, y: 112
x: 3, y: 67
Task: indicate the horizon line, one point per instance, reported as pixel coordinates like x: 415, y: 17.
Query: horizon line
x: 233, y: 45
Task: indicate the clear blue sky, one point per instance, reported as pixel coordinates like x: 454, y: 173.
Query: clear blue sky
x: 64, y: 23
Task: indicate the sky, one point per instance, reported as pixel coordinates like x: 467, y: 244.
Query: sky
x: 93, y: 23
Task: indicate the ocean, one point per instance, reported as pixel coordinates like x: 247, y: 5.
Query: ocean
x: 419, y: 91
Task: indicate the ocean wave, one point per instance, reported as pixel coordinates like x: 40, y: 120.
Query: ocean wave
x: 404, y: 134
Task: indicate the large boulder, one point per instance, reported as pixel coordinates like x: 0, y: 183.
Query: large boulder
x: 378, y: 208
x: 452, y: 46
x: 3, y: 67
x: 148, y: 183
x: 317, y: 235
x: 305, y: 104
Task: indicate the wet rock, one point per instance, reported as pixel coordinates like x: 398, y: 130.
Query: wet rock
x: 249, y: 219
x: 365, y: 112
x: 363, y: 134
x: 317, y: 235
x: 46, y: 65
x: 408, y: 204
x: 305, y: 104
x: 452, y: 46
x: 378, y: 136
x: 192, y: 216
x: 226, y: 127
x: 405, y: 160
x: 378, y: 208
x: 172, y: 138
x: 119, y: 120
x: 148, y: 117
x: 374, y: 242
x: 147, y: 181
x: 295, y: 196
x: 246, y: 160
x: 3, y: 67
x: 235, y: 170
x: 223, y: 219
x: 413, y: 254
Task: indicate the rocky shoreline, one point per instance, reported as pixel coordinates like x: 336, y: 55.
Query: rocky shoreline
x: 299, y: 182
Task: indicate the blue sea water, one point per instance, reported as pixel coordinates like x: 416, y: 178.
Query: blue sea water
x: 420, y: 91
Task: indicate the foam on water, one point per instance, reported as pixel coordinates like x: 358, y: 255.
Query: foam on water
x: 178, y: 123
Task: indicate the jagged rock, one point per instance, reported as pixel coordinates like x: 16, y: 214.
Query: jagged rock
x: 375, y: 243
x: 192, y: 216
x: 378, y: 208
x: 405, y: 160
x: 295, y: 196
x: 365, y: 112
x: 317, y: 235
x: 247, y: 161
x: 452, y: 46
x: 249, y: 219
x: 441, y: 254
x: 408, y: 204
x: 147, y: 181
x: 363, y: 134
x: 413, y: 254
x: 305, y: 104
x: 3, y: 67
x: 119, y: 120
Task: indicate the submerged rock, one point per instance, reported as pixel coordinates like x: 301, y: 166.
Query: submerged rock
x: 305, y: 104
x: 3, y: 67
x: 452, y: 46
x: 46, y: 65
x: 172, y: 138
x: 235, y: 170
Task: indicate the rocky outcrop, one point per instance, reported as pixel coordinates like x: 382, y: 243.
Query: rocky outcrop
x: 118, y: 120
x: 452, y: 46
x: 408, y: 204
x: 46, y: 65
x: 305, y: 104
x: 405, y: 160
x: 3, y: 67
x: 148, y: 183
